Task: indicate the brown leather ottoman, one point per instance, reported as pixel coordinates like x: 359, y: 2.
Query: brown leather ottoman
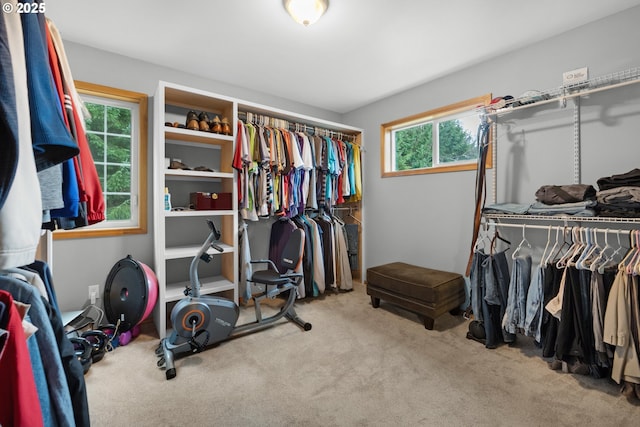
x: 425, y: 291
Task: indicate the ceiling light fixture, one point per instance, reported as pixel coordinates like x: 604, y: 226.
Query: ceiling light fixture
x: 306, y: 12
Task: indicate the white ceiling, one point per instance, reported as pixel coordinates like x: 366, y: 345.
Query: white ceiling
x: 359, y: 52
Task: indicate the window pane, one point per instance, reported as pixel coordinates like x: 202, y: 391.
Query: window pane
x: 119, y: 120
x: 413, y: 147
x: 118, y: 207
x: 96, y: 145
x: 100, y: 167
x: 118, y: 149
x: 96, y: 122
x: 118, y: 179
x: 435, y: 141
x: 457, y: 141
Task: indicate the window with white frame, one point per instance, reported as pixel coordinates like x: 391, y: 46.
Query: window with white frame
x: 117, y: 135
x: 440, y: 140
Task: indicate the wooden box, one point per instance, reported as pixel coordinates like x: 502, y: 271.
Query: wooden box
x: 211, y: 201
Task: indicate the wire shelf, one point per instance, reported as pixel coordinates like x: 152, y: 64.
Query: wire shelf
x: 596, y: 84
x: 561, y: 218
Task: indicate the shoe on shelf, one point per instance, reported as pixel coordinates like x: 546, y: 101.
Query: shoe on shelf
x: 226, y: 128
x: 174, y: 125
x: 215, y: 125
x: 203, y: 169
x: 204, y: 121
x: 192, y: 121
x: 175, y: 164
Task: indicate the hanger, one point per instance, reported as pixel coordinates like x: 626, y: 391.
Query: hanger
x: 522, y: 243
x: 587, y: 248
x: 634, y: 259
x: 354, y: 218
x: 595, y: 251
x: 609, y: 259
x: 544, y: 252
x: 630, y: 253
x: 494, y: 240
x: 636, y: 264
x: 483, y: 238
x: 579, y: 248
x: 566, y: 243
x: 602, y: 255
x: 554, y: 247
x: 568, y: 255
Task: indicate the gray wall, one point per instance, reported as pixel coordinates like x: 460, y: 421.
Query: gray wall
x: 424, y: 220
x: 427, y: 220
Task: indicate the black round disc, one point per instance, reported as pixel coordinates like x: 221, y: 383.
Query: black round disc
x: 126, y: 293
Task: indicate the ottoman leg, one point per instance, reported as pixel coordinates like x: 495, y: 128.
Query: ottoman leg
x: 428, y: 323
x: 375, y: 302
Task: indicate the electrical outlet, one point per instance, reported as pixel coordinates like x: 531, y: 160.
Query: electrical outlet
x: 94, y: 293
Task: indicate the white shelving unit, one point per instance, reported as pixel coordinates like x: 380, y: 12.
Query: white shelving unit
x: 178, y: 234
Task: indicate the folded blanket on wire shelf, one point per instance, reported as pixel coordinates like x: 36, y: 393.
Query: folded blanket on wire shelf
x: 619, y: 202
x: 560, y: 194
x: 631, y: 178
x: 625, y: 196
x: 508, y: 208
x: 585, y: 208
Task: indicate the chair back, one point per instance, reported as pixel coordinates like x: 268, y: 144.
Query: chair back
x: 292, y: 254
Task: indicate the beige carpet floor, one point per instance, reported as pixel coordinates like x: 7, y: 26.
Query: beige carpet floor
x: 358, y: 366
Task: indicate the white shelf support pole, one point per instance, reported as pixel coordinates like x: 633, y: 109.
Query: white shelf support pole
x: 494, y: 159
x: 576, y: 141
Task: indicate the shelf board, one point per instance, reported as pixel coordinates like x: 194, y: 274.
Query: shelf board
x: 177, y: 252
x: 209, y: 285
x: 194, y: 213
x: 180, y: 174
x: 192, y: 98
x: 182, y: 136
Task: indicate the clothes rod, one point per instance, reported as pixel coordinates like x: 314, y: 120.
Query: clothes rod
x: 276, y: 122
x: 330, y: 208
x: 556, y: 227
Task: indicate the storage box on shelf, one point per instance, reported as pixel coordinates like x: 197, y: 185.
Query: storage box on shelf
x: 190, y: 161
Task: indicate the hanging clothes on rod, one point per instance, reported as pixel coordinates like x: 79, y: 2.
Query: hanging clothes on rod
x: 578, y: 299
x: 325, y: 261
x: 622, y: 318
x: 283, y: 171
x: 489, y: 277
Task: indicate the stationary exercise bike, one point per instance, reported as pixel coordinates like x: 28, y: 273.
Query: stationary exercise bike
x: 201, y: 321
